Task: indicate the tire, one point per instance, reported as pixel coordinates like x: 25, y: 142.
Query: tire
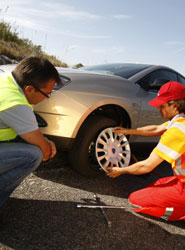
x: 82, y: 156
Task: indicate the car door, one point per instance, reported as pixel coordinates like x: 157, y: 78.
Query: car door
x: 150, y: 115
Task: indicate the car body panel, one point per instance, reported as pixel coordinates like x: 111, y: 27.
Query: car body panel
x: 69, y: 119
x: 68, y: 108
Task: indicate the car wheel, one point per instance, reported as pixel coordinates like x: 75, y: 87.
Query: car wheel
x: 96, y: 147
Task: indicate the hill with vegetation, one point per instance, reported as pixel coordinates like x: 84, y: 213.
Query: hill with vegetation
x: 13, y: 48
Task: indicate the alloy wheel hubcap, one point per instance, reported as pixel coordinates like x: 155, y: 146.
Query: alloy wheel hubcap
x: 112, y: 149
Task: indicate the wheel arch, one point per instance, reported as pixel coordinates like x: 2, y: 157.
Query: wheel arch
x: 113, y: 111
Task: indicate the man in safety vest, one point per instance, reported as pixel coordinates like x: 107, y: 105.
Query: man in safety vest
x: 30, y: 82
x: 164, y: 198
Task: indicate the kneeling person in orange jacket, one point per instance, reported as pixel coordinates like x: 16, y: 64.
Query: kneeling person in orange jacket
x: 164, y: 198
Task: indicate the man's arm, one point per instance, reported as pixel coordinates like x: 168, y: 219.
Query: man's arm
x: 151, y: 130
x: 22, y: 119
x: 138, y: 168
x: 36, y: 138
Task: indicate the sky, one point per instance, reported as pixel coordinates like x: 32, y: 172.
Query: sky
x: 103, y: 31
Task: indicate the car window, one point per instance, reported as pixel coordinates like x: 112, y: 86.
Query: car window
x: 157, y: 74
x: 125, y: 70
x: 181, y: 79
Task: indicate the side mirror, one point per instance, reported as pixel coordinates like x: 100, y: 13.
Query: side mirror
x: 157, y: 83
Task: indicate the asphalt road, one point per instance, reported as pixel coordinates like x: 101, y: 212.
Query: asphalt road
x: 42, y: 214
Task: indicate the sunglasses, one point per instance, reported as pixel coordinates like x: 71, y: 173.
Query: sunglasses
x: 46, y: 95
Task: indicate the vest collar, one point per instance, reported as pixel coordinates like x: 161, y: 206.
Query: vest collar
x: 182, y: 115
x: 17, y: 84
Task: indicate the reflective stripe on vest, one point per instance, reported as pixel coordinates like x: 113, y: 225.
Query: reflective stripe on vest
x: 168, y: 151
x: 180, y: 126
x: 10, y: 96
x: 178, y: 168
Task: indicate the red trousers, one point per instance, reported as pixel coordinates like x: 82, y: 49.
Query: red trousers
x: 165, y: 198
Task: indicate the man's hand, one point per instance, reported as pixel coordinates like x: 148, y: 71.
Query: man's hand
x: 36, y: 138
x: 114, y: 172
x: 53, y: 149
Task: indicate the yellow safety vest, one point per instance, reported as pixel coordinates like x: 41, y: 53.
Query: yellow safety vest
x: 171, y: 146
x: 10, y: 96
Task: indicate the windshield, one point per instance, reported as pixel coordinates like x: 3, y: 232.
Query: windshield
x: 125, y: 70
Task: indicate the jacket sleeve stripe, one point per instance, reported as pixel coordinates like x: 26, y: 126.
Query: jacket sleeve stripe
x: 168, y: 151
x: 180, y: 126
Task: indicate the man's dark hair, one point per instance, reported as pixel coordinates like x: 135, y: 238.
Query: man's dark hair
x: 35, y: 71
x: 180, y: 105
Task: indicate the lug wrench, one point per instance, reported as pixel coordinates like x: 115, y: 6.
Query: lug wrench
x: 101, y: 206
x: 97, y: 206
x: 109, y: 223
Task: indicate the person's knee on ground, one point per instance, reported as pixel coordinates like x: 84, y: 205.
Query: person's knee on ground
x: 137, y: 207
x: 165, y: 213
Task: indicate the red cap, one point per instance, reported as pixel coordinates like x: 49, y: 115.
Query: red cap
x: 170, y: 91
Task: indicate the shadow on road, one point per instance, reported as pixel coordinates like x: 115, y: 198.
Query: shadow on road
x: 119, y: 187
x: 37, y: 224
x: 59, y: 171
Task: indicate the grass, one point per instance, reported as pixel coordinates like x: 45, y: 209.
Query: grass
x: 14, y: 47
